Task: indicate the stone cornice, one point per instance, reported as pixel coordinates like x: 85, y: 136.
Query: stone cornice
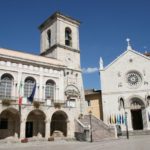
x: 61, y: 46
x: 76, y: 70
x: 29, y: 59
x: 29, y: 62
x: 58, y: 15
x: 124, y: 92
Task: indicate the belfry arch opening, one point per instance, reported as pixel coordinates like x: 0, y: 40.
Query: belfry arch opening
x: 59, y: 123
x: 35, y: 123
x: 137, y: 113
x: 9, y: 123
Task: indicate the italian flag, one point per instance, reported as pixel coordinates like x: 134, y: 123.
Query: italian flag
x: 20, y: 94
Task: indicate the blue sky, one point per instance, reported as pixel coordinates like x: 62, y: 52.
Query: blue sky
x: 105, y: 26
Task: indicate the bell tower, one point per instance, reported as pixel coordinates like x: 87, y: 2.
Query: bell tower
x: 60, y: 39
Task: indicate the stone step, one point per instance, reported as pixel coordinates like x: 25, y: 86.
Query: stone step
x: 137, y: 132
x: 99, y: 129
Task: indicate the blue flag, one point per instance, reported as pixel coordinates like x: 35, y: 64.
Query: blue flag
x: 118, y: 119
x: 31, y: 97
x: 122, y: 119
x: 149, y: 117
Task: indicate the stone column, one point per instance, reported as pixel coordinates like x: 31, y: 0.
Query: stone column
x: 47, y: 128
x: 22, y: 128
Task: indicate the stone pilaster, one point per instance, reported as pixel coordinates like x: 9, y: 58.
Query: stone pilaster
x: 47, y: 128
x: 70, y: 128
x: 22, y: 128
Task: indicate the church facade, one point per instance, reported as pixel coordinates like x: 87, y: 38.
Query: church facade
x: 125, y: 85
x: 43, y: 94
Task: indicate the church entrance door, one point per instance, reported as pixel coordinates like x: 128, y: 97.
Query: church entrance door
x: 137, y: 121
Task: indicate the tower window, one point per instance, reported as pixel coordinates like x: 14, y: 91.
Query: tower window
x: 68, y: 37
x: 49, y: 38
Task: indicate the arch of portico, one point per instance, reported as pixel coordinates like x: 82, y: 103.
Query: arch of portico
x: 35, y: 123
x: 59, y: 121
x: 9, y: 123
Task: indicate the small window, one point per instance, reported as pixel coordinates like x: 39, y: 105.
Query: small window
x: 121, y: 103
x: 89, y: 102
x: 49, y: 38
x: 68, y: 37
x: 3, y: 123
x: 71, y: 103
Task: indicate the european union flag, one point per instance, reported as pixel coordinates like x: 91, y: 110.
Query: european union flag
x: 31, y: 97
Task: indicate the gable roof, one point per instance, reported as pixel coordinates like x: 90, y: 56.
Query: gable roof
x: 119, y: 57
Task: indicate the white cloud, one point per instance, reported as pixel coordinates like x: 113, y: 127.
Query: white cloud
x: 89, y: 70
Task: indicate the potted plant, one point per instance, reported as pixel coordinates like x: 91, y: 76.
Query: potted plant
x: 25, y: 140
x: 57, y: 105
x: 36, y: 104
x: 6, y: 102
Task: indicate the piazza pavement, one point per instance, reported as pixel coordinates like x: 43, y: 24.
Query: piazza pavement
x: 134, y: 143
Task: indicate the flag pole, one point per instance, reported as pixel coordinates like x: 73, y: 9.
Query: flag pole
x: 20, y: 102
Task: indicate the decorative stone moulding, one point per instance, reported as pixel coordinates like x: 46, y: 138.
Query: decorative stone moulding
x: 45, y: 70
x: 72, y: 92
x: 20, y: 65
x: 2, y: 62
x: 8, y: 63
x: 134, y: 79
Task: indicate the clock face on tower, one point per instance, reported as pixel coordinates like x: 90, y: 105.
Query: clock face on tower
x: 134, y: 79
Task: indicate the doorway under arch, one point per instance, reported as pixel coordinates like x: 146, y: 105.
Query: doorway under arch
x: 59, y: 122
x: 137, y: 113
x: 9, y: 123
x: 35, y: 123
